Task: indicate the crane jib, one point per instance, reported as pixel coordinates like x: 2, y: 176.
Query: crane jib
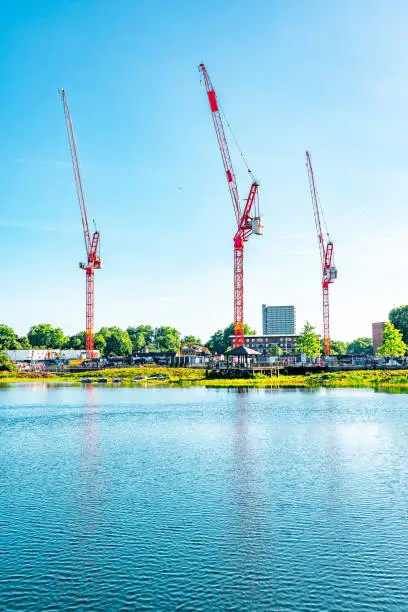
x: 213, y: 101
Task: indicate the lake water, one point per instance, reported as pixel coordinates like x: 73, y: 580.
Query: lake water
x: 203, y: 499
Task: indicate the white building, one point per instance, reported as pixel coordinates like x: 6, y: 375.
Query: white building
x: 29, y: 355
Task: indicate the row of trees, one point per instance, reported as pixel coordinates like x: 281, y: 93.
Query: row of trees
x: 109, y: 341
x: 116, y: 341
x: 220, y: 342
x: 395, y: 336
x: 395, y: 339
x: 393, y: 343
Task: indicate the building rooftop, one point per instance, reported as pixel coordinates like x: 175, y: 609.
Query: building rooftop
x: 267, y: 335
x: 243, y: 350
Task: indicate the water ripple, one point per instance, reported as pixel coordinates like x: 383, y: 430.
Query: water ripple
x: 197, y: 499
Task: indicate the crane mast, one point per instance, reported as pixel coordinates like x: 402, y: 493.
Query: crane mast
x: 92, y: 244
x: 246, y: 223
x: 326, y: 250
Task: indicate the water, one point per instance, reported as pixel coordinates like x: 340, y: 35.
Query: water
x: 200, y: 499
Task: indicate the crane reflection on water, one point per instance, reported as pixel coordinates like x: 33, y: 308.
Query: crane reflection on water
x: 252, y: 543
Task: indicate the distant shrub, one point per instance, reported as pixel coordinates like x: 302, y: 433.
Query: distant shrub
x: 6, y: 365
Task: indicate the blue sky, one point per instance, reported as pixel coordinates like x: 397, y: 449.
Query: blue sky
x: 328, y: 76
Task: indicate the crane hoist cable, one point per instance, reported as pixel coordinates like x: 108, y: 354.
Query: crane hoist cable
x: 236, y: 142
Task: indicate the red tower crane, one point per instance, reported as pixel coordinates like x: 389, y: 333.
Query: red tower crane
x: 246, y: 223
x: 326, y: 248
x: 92, y: 244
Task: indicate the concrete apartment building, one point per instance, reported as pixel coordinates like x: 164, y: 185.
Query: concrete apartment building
x: 278, y: 320
x: 377, y: 331
x: 263, y: 343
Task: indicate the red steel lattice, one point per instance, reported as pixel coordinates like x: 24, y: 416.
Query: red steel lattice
x: 92, y: 245
x: 244, y: 219
x: 326, y: 249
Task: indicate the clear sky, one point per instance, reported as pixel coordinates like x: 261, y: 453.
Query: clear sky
x: 324, y: 75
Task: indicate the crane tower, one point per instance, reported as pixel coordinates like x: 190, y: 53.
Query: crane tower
x: 326, y: 249
x: 92, y: 243
x: 247, y: 222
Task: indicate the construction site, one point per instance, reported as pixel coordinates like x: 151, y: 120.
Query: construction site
x: 248, y: 221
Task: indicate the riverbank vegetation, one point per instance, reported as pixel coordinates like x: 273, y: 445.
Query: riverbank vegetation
x: 196, y: 377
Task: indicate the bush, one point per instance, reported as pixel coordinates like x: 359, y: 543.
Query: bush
x: 6, y: 365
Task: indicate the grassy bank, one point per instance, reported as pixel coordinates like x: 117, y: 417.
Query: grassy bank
x: 173, y: 375
x: 360, y: 378
x: 186, y: 376
x: 397, y: 379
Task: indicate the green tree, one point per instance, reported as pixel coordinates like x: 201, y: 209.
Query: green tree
x: 399, y: 318
x: 167, y: 339
x: 275, y: 350
x: 100, y: 344
x: 361, y: 346
x: 142, y: 337
x: 46, y: 337
x: 229, y: 331
x: 393, y: 344
x: 337, y: 347
x: 216, y: 342
x: 220, y: 341
x: 24, y: 342
x: 5, y: 363
x: 8, y: 339
x: 193, y: 339
x: 309, y: 341
x: 76, y: 342
x: 118, y: 342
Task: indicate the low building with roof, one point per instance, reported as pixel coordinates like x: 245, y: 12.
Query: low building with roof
x: 286, y: 342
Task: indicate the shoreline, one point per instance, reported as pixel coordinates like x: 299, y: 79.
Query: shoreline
x: 184, y: 377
